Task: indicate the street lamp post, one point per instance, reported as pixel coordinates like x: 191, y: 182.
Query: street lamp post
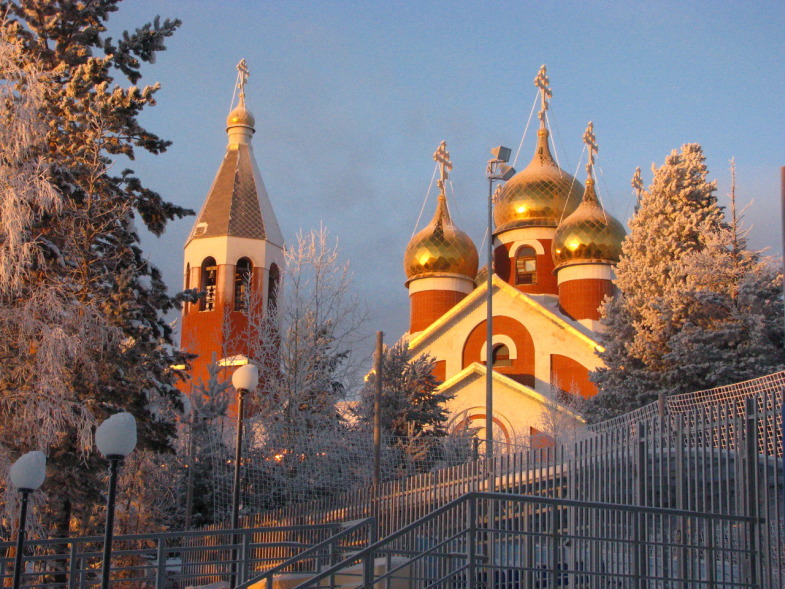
x: 244, y: 379
x: 497, y: 170
x: 27, y: 474
x: 116, y: 439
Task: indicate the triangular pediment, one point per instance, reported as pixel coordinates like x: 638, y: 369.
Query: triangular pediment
x: 543, y: 306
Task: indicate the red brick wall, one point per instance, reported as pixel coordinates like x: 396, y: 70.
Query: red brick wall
x: 571, y: 375
x: 546, y: 281
x: 581, y: 299
x: 440, y: 370
x: 522, y: 368
x: 428, y: 305
x: 221, y: 332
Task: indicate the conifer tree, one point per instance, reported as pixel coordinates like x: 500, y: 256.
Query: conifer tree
x: 83, y: 334
x: 694, y: 308
x: 413, y: 412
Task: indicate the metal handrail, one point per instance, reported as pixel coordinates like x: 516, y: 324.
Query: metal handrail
x: 354, y: 527
x: 369, y: 553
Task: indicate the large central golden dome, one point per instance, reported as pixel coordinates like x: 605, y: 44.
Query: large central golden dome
x: 539, y: 195
x: 589, y: 234
x: 441, y: 248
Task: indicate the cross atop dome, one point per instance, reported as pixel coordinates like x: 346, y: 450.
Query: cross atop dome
x: 442, y: 156
x: 544, y: 84
x: 591, y: 143
x: 242, y: 79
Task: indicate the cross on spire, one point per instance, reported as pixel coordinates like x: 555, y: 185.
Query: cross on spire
x: 591, y: 143
x: 242, y: 77
x: 442, y: 156
x: 637, y: 184
x: 544, y: 84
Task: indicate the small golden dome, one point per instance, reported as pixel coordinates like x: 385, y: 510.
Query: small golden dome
x: 440, y: 248
x: 589, y: 234
x: 537, y: 195
x: 240, y: 117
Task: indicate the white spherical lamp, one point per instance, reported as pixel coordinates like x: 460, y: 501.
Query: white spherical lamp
x: 117, y: 435
x: 29, y: 471
x: 246, y: 377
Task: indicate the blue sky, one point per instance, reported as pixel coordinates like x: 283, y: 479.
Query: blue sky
x: 352, y: 98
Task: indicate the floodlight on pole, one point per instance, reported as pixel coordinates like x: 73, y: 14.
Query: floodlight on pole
x: 115, y: 439
x: 497, y: 171
x: 26, y: 474
x: 244, y: 379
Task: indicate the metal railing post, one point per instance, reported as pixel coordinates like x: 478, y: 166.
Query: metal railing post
x: 245, y: 556
x: 751, y: 425
x: 471, y: 541
x: 72, y: 559
x: 160, y: 572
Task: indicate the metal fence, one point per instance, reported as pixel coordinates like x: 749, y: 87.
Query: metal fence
x: 692, y: 485
x: 180, y: 559
x: 516, y: 542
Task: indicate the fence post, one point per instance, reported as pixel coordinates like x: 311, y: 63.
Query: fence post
x: 160, y: 573
x: 639, y: 556
x: 751, y: 426
x: 471, y: 540
x: 72, y: 565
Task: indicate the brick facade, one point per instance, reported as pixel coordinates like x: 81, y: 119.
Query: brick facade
x: 581, y: 299
x: 570, y: 376
x: 522, y: 367
x: 504, y: 266
x: 428, y: 305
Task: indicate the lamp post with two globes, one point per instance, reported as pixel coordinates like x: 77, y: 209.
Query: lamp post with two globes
x: 27, y: 474
x: 116, y: 439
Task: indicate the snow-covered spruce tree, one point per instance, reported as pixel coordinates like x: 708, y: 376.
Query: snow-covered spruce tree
x: 694, y: 308
x: 82, y: 326
x: 298, y: 447
x: 413, y: 413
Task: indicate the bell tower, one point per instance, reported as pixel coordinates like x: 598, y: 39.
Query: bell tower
x: 234, y: 254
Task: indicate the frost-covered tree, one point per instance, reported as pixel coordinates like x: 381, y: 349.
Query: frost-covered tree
x: 82, y: 333
x: 304, y: 350
x: 204, y: 448
x: 694, y: 308
x: 413, y: 411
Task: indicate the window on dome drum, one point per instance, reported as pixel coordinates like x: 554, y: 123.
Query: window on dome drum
x: 272, y: 288
x: 526, y: 266
x: 242, y: 282
x: 501, y: 356
x: 208, y: 284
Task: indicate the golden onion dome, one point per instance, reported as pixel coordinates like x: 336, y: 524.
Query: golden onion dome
x: 539, y: 195
x: 240, y: 117
x: 441, y: 248
x: 589, y: 234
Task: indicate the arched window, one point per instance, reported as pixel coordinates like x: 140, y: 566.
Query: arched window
x: 242, y: 283
x: 208, y: 283
x: 501, y: 356
x: 273, y: 284
x: 526, y: 266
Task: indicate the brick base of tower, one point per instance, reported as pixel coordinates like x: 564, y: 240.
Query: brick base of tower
x: 432, y: 296
x: 581, y: 299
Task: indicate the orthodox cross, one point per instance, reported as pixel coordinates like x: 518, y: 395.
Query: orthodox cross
x: 543, y: 83
x: 637, y: 185
x: 591, y: 142
x: 242, y: 77
x: 442, y: 156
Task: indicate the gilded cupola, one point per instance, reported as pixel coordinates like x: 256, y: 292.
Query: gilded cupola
x: 440, y: 248
x: 589, y: 234
x: 541, y: 194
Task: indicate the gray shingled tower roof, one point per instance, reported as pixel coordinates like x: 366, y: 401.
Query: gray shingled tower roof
x: 232, y: 205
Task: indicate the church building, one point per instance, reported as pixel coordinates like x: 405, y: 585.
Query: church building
x: 554, y: 251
